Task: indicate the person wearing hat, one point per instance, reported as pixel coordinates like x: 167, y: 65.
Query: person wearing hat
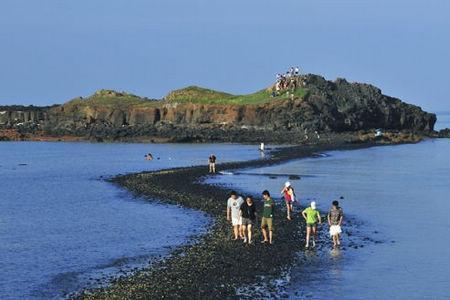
x: 289, y: 198
x: 311, y: 216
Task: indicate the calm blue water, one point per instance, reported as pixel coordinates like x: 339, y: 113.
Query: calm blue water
x: 61, y: 225
x: 400, y: 193
x: 443, y: 121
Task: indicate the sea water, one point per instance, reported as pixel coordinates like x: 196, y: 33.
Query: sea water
x: 398, y: 197
x: 62, y: 226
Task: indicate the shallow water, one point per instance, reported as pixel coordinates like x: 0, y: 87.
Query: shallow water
x: 401, y: 195
x: 61, y: 224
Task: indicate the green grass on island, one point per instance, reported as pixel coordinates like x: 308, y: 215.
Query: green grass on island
x: 194, y: 94
x: 109, y: 98
x: 191, y: 94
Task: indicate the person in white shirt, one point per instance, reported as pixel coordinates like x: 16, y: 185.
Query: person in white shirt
x: 233, y: 214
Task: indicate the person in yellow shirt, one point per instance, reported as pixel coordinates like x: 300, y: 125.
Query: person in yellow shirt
x: 312, y: 217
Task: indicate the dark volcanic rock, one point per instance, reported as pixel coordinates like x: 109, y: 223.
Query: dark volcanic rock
x: 444, y: 133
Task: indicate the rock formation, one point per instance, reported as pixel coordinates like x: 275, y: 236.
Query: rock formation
x: 195, y: 114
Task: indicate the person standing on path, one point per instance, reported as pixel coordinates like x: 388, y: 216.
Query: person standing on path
x: 311, y: 216
x: 289, y: 198
x: 267, y: 217
x: 248, y: 214
x: 335, y: 217
x: 212, y: 163
x: 233, y: 213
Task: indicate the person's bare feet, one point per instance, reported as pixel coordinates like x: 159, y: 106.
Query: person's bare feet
x: 264, y: 241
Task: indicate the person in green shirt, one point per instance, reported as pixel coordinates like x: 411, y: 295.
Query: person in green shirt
x: 311, y: 216
x: 267, y: 217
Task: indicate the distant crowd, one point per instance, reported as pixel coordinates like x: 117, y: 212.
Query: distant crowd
x: 288, y: 81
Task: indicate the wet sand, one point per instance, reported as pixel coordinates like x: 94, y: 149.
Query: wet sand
x: 216, y: 266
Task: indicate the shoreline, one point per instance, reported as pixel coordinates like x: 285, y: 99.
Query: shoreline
x: 211, y: 268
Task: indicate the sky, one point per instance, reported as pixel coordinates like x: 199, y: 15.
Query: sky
x: 55, y: 50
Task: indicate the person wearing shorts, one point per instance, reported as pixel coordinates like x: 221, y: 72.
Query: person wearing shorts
x: 248, y: 214
x: 212, y: 163
x: 311, y: 216
x: 289, y: 198
x: 233, y: 213
x: 335, y: 217
x: 267, y: 218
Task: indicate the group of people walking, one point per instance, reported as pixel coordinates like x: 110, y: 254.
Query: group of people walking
x: 243, y: 217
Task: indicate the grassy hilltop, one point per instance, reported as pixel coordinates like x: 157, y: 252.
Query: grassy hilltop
x: 190, y: 94
x: 195, y: 94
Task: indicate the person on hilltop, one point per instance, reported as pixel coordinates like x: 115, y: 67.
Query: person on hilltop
x: 248, y: 214
x: 234, y: 213
x: 297, y: 71
x: 291, y: 71
x: 335, y: 217
x: 311, y: 216
x: 212, y: 163
x: 289, y: 198
x: 267, y: 217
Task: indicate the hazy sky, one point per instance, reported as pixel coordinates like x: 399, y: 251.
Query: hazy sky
x: 52, y: 51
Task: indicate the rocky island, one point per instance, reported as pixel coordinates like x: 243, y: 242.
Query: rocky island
x: 316, y: 109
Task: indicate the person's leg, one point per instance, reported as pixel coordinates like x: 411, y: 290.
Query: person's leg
x: 210, y: 168
x: 288, y: 211
x: 270, y: 225
x: 308, y: 233
x: 244, y: 232
x: 236, y: 231
x: 264, y: 232
x: 334, y: 241
x: 338, y: 237
x: 249, y: 234
x: 314, y: 232
x: 214, y: 168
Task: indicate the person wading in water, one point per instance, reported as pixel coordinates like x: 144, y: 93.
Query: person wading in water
x: 311, y: 216
x: 335, y: 217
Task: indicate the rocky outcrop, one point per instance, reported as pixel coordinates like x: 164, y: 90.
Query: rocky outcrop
x: 13, y: 115
x: 326, y: 107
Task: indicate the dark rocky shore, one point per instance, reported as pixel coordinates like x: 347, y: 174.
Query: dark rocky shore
x: 216, y: 266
